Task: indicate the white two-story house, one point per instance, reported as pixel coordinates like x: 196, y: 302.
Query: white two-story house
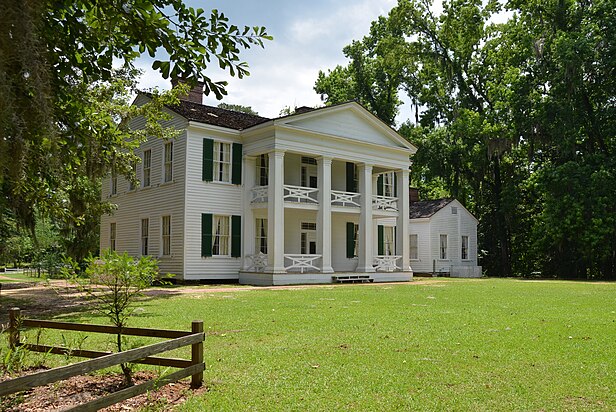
x: 307, y: 198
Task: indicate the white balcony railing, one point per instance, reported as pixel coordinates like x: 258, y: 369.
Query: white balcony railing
x: 259, y: 194
x: 302, y: 262
x: 345, y: 199
x: 385, y: 203
x: 386, y: 263
x: 258, y: 262
x: 300, y: 194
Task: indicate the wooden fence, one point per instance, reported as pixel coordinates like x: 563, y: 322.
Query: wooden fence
x: 193, y: 367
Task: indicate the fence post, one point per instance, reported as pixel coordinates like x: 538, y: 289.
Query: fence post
x: 14, y: 320
x: 197, y: 355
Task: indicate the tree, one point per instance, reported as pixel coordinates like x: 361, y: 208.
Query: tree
x: 238, y: 108
x: 55, y: 56
x: 114, y: 283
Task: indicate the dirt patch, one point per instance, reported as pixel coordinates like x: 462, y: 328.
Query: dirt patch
x: 81, y: 389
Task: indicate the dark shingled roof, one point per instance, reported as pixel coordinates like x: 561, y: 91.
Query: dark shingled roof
x: 427, y: 208
x: 217, y: 116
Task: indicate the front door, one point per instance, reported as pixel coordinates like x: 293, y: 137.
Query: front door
x: 308, y: 239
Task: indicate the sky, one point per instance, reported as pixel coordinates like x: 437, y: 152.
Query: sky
x: 308, y: 36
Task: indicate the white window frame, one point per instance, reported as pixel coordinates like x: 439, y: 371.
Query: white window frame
x: 388, y: 184
x: 168, y: 162
x: 146, y: 170
x: 222, y: 162
x: 114, y: 184
x: 112, y: 235
x: 414, y: 246
x: 221, y: 235
x: 443, y: 244
x: 262, y: 170
x: 464, y: 243
x: 165, y: 235
x: 145, y: 236
x: 261, y: 235
x: 389, y: 240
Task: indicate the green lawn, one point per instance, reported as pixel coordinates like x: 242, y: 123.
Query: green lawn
x: 455, y: 345
x: 8, y: 277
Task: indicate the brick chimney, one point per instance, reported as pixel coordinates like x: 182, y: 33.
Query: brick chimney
x: 195, y: 94
x: 413, y: 195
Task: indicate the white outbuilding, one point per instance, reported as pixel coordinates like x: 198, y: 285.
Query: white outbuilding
x: 443, y: 238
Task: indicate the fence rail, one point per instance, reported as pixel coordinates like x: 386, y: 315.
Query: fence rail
x: 193, y: 367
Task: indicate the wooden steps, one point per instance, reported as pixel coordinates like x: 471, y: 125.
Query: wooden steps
x: 352, y: 278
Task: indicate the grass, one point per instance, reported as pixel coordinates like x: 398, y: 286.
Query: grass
x: 8, y: 277
x: 459, y: 345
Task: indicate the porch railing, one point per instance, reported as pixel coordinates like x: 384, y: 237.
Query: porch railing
x: 385, y: 203
x: 300, y: 194
x: 345, y: 198
x: 384, y: 263
x: 258, y: 262
x: 259, y: 194
x: 302, y: 262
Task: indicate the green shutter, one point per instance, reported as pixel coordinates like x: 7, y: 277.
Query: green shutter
x: 379, y: 186
x: 207, y: 172
x: 381, y: 231
x: 395, y: 185
x: 236, y: 236
x: 350, y: 240
x: 350, y: 177
x: 236, y: 164
x: 206, y: 234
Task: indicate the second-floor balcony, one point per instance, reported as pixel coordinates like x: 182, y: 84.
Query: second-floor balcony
x: 310, y: 196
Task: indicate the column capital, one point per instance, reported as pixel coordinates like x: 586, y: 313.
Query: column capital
x: 325, y: 159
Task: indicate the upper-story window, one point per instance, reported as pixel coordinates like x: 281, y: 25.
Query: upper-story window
x: 262, y: 169
x: 168, y: 175
x: 147, y: 167
x: 388, y: 184
x: 222, y: 162
x: 114, y: 184
x: 309, y: 172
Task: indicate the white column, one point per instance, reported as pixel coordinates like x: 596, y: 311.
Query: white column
x: 275, y: 213
x: 324, y: 217
x: 366, y: 233
x: 248, y: 232
x: 402, y: 221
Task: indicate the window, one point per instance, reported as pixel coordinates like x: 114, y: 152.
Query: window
x: 464, y: 250
x: 413, y: 245
x: 352, y: 230
x: 262, y: 169
x: 308, y: 239
x: 168, y: 175
x: 166, y: 222
x: 443, y: 247
x: 389, y: 245
x: 147, y: 167
x: 145, y: 235
x: 222, y: 162
x: 114, y: 184
x: 309, y: 172
x: 388, y: 184
x: 112, y: 236
x: 220, y: 246
x: 355, y: 240
x: 261, y: 236
x: 454, y: 210
x: 131, y: 184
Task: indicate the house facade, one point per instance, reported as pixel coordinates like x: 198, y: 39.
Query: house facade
x: 307, y: 198
x: 443, y: 238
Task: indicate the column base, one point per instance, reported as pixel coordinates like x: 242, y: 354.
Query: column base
x: 327, y: 269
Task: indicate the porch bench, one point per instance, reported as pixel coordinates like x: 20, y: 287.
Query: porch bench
x: 352, y: 278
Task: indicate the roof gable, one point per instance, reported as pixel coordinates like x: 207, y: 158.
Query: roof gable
x: 428, y: 208
x: 348, y: 120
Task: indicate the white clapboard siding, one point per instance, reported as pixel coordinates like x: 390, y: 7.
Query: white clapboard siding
x: 153, y: 202
x: 208, y: 197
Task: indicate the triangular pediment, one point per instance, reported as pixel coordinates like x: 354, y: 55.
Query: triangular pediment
x: 350, y: 121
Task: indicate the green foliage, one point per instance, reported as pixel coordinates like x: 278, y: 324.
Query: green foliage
x: 113, y: 283
x: 238, y: 108
x: 516, y: 120
x: 64, y: 110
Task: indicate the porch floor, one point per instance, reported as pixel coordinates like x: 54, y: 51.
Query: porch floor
x: 279, y: 279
